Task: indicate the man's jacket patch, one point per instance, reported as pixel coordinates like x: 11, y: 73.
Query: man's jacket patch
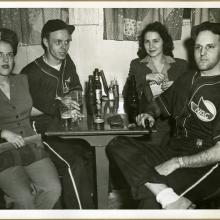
x: 205, y: 110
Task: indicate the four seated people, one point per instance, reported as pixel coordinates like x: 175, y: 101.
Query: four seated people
x: 168, y: 170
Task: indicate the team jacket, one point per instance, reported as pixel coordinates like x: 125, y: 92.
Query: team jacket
x: 47, y: 83
x: 194, y: 101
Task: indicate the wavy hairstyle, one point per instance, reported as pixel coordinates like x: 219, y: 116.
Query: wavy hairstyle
x: 163, y: 32
x: 205, y: 26
x: 9, y: 37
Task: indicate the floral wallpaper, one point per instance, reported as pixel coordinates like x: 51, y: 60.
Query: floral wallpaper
x: 126, y: 23
x: 28, y: 22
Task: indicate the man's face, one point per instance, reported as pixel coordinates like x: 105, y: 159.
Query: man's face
x: 57, y: 45
x: 207, y: 50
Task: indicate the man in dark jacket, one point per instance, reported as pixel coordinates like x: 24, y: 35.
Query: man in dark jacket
x: 183, y: 172
x: 51, y: 76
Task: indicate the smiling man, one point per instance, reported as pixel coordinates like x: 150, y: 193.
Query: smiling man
x: 51, y: 76
x: 185, y: 171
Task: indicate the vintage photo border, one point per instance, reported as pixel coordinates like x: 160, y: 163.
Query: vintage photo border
x: 109, y: 214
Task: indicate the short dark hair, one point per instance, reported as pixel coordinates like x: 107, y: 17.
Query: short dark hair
x: 54, y: 25
x: 163, y: 32
x: 9, y: 37
x: 205, y: 26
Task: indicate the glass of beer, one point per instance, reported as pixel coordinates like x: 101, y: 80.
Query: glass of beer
x: 77, y: 96
x: 65, y: 113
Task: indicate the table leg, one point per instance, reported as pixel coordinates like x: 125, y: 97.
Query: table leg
x: 102, y: 169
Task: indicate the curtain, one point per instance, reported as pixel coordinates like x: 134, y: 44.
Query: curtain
x: 199, y: 15
x: 28, y: 22
x: 126, y: 23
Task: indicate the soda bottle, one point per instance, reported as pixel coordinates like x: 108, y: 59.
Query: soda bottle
x: 115, y: 89
x: 110, y: 92
x: 104, y: 84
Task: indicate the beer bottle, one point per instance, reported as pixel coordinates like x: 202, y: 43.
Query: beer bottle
x: 98, y: 91
x: 131, y: 100
x: 90, y: 95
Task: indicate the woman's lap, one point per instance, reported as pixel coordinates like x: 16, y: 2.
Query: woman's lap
x: 25, y: 170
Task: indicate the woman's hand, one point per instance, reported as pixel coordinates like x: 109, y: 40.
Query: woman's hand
x: 140, y: 119
x: 13, y: 138
x: 166, y: 85
x: 155, y: 77
x: 168, y: 167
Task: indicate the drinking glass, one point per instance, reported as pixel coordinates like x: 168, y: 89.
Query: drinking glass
x: 65, y: 114
x: 77, y: 96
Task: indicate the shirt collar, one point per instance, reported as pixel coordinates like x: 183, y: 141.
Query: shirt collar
x: 167, y: 59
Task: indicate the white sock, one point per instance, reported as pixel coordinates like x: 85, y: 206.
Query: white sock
x: 166, y: 196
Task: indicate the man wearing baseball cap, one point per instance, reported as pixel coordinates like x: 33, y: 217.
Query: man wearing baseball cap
x: 51, y: 76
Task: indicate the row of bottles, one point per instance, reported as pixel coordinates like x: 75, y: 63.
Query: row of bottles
x: 96, y: 93
x: 97, y: 88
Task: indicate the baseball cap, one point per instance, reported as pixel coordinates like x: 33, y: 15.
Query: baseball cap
x: 55, y: 25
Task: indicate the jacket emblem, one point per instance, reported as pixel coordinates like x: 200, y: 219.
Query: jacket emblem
x: 66, y: 88
x: 205, y: 110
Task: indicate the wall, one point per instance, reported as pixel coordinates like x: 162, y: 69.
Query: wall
x: 89, y: 50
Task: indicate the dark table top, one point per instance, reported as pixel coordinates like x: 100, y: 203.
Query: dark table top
x: 87, y: 127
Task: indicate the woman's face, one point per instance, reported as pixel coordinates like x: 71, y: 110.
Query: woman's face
x: 6, y: 58
x: 153, y: 44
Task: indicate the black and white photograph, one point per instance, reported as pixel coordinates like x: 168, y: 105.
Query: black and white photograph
x: 109, y: 110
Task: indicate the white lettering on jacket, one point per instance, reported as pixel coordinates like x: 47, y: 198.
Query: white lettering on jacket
x: 205, y: 110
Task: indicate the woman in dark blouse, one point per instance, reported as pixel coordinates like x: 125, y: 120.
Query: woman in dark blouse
x: 27, y: 176
x: 155, y: 71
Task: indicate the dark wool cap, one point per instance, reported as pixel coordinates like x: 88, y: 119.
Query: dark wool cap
x: 9, y: 37
x: 55, y: 25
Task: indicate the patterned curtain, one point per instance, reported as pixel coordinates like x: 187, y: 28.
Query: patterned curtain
x: 126, y: 23
x: 28, y: 22
x: 199, y: 15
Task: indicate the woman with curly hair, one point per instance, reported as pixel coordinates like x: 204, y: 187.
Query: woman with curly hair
x: 155, y: 71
